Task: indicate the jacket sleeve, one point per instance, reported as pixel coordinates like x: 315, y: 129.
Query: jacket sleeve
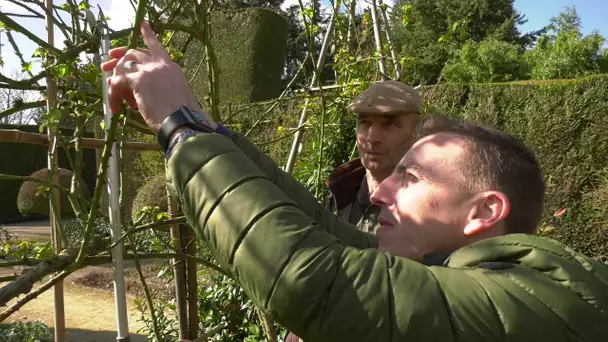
x: 289, y: 263
x: 345, y: 231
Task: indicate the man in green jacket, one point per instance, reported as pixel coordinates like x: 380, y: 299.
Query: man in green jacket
x: 452, y: 261
x: 386, y: 115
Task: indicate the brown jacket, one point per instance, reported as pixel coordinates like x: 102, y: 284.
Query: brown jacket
x: 349, y: 196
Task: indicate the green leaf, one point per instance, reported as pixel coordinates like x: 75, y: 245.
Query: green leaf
x: 65, y: 7
x: 26, y: 67
x: 84, y: 5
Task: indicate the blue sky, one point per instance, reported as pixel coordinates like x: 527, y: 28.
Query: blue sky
x: 591, y: 12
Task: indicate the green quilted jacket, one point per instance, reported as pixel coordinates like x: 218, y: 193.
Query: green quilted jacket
x: 324, y: 280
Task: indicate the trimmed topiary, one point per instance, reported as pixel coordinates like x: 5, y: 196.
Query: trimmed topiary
x: 151, y: 194
x: 250, y: 47
x: 32, y: 201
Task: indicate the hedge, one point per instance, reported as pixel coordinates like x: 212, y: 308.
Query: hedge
x: 565, y: 121
x: 250, y: 47
x: 23, y: 160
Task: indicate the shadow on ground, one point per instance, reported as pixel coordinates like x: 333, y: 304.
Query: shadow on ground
x: 82, y: 335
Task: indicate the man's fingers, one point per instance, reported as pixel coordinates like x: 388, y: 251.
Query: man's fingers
x: 109, y: 65
x: 118, y: 52
x: 119, y: 85
x: 121, y: 51
x: 155, y: 46
x: 130, y: 98
x: 139, y: 55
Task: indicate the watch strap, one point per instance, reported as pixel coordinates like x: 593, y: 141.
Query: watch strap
x: 180, y: 118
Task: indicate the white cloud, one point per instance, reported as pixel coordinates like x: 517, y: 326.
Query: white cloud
x: 121, y: 13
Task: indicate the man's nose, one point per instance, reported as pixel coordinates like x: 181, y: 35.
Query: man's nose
x: 381, y: 195
x: 375, y: 133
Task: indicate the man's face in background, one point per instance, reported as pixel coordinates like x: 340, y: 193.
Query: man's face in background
x: 382, y: 140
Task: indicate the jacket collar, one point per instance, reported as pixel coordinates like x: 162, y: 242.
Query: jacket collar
x: 345, y: 181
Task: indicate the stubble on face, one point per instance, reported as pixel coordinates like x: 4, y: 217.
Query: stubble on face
x: 423, y: 200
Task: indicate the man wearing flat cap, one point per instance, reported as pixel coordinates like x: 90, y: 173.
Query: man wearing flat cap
x: 387, y: 113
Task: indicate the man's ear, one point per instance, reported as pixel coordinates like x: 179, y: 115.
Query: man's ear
x: 488, y: 210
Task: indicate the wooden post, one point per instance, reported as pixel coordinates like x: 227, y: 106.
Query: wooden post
x: 55, y: 216
x: 192, y: 283
x: 179, y: 271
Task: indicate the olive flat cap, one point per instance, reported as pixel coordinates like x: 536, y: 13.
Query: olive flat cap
x: 387, y: 98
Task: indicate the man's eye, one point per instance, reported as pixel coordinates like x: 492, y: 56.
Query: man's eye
x: 409, y: 178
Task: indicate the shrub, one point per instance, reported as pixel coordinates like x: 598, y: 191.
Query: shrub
x: 26, y: 159
x: 26, y: 332
x: 152, y: 194
x: 31, y: 200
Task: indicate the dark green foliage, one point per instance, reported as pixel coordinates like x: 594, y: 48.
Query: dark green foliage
x: 426, y: 21
x: 31, y: 200
x: 566, y: 123
x: 36, y: 331
x: 250, y: 47
x: 153, y: 194
x: 24, y: 159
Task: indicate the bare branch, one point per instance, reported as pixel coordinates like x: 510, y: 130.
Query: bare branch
x: 21, y: 15
x: 10, y: 23
x: 9, y: 35
x: 33, y: 179
x: 6, y: 313
x: 21, y: 106
x: 23, y: 284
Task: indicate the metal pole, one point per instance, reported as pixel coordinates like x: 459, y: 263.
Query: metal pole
x: 120, y: 298
x: 375, y: 23
x: 54, y: 217
x: 320, y: 63
x: 389, y: 39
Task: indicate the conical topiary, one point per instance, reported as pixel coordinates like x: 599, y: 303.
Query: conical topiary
x: 152, y: 194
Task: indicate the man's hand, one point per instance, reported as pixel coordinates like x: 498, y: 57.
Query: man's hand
x: 155, y: 84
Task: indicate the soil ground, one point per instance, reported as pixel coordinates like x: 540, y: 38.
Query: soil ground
x: 90, y: 314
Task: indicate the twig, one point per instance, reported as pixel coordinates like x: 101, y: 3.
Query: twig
x: 144, y: 285
x: 146, y: 227
x: 35, y: 180
x: 16, y: 27
x: 21, y: 106
x: 139, y: 17
x: 11, y: 40
x: 6, y: 313
x: 101, y: 180
x: 23, y: 284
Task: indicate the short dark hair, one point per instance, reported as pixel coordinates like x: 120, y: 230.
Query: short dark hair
x: 496, y: 161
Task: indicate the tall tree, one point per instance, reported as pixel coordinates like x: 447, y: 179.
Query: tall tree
x: 429, y: 32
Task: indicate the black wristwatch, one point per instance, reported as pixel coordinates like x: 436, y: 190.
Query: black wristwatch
x: 180, y: 118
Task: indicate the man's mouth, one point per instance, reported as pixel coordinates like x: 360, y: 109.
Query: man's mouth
x: 385, y: 223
